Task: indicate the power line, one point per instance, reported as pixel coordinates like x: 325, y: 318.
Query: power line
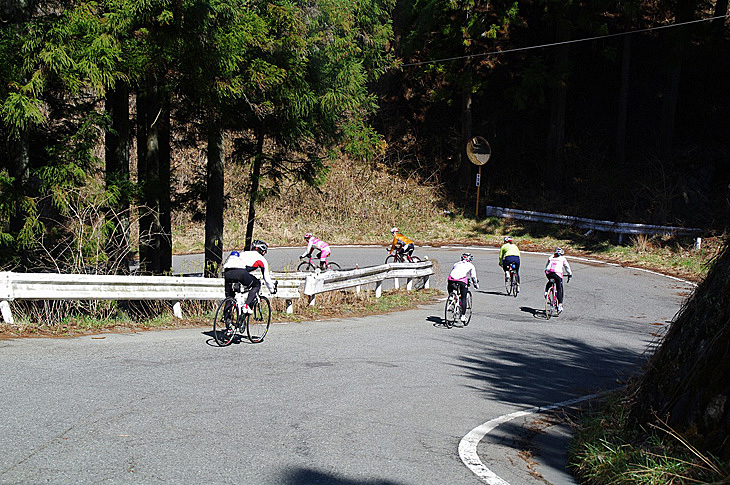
x: 553, y: 44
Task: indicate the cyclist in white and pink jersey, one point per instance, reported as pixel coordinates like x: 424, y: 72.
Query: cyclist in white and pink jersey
x: 459, y: 277
x: 315, y: 243
x: 554, y: 271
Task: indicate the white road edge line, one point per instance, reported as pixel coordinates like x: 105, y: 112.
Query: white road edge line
x: 468, y: 444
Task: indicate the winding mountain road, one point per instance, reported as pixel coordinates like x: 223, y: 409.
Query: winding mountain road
x: 383, y: 399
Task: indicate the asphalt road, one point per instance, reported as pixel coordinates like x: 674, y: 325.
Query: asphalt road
x: 377, y: 400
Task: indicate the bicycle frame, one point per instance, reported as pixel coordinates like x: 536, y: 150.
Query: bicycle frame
x: 551, y: 301
x: 452, y: 312
x: 400, y: 256
x: 310, y: 258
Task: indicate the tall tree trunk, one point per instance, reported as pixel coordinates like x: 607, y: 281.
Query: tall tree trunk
x: 214, y: 206
x: 465, y: 165
x: 19, y: 169
x: 255, y: 176
x: 165, y: 186
x: 117, y: 176
x: 678, y: 42
x: 669, y: 102
x: 623, y: 101
x: 155, y: 227
x: 720, y: 11
x: 556, y: 132
x: 148, y: 109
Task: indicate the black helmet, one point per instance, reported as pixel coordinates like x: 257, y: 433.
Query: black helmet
x: 259, y: 246
x: 467, y: 257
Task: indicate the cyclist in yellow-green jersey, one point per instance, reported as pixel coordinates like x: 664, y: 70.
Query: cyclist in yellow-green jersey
x: 509, y: 253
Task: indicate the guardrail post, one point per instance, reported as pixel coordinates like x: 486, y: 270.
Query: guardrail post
x: 7, y: 314
x: 378, y: 289
x: 290, y: 306
x: 357, y: 288
x: 426, y: 282
x: 177, y: 309
x: 698, y: 243
x: 409, y: 284
x: 396, y: 283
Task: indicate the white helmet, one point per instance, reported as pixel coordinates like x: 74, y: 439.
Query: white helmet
x: 394, y: 230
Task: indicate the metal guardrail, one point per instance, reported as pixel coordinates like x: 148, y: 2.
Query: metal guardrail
x: 337, y: 280
x: 620, y: 228
x: 54, y: 286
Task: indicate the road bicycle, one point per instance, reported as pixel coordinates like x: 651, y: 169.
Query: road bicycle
x: 307, y: 265
x: 510, y: 283
x: 551, y: 299
x: 452, y: 311
x: 397, y: 255
x: 231, y: 320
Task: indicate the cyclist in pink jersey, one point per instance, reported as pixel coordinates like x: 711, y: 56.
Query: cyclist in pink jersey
x: 556, y: 266
x: 316, y: 243
x: 461, y: 272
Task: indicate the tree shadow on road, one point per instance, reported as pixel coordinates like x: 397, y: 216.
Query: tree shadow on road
x: 306, y: 476
x: 554, y: 369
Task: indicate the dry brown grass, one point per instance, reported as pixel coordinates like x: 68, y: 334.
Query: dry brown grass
x: 356, y: 204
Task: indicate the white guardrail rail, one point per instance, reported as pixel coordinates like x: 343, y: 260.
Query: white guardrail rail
x: 54, y: 286
x: 619, y: 228
x: 336, y: 280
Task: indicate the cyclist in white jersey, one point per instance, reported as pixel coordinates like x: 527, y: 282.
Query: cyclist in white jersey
x: 459, y: 278
x: 555, y: 267
x: 238, y: 268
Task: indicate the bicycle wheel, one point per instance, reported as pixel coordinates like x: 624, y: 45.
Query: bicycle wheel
x: 305, y: 266
x: 415, y: 259
x: 224, y: 322
x: 391, y: 259
x: 513, y: 283
x: 258, y: 322
x: 334, y: 266
x: 549, y: 302
x: 450, y: 311
x: 468, y: 308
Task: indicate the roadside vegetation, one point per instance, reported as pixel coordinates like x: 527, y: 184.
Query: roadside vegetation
x: 608, y: 449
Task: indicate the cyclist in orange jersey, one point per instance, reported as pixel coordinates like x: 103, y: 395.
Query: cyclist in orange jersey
x: 399, y: 240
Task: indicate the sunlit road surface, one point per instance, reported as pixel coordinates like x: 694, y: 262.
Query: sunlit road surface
x: 383, y: 399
